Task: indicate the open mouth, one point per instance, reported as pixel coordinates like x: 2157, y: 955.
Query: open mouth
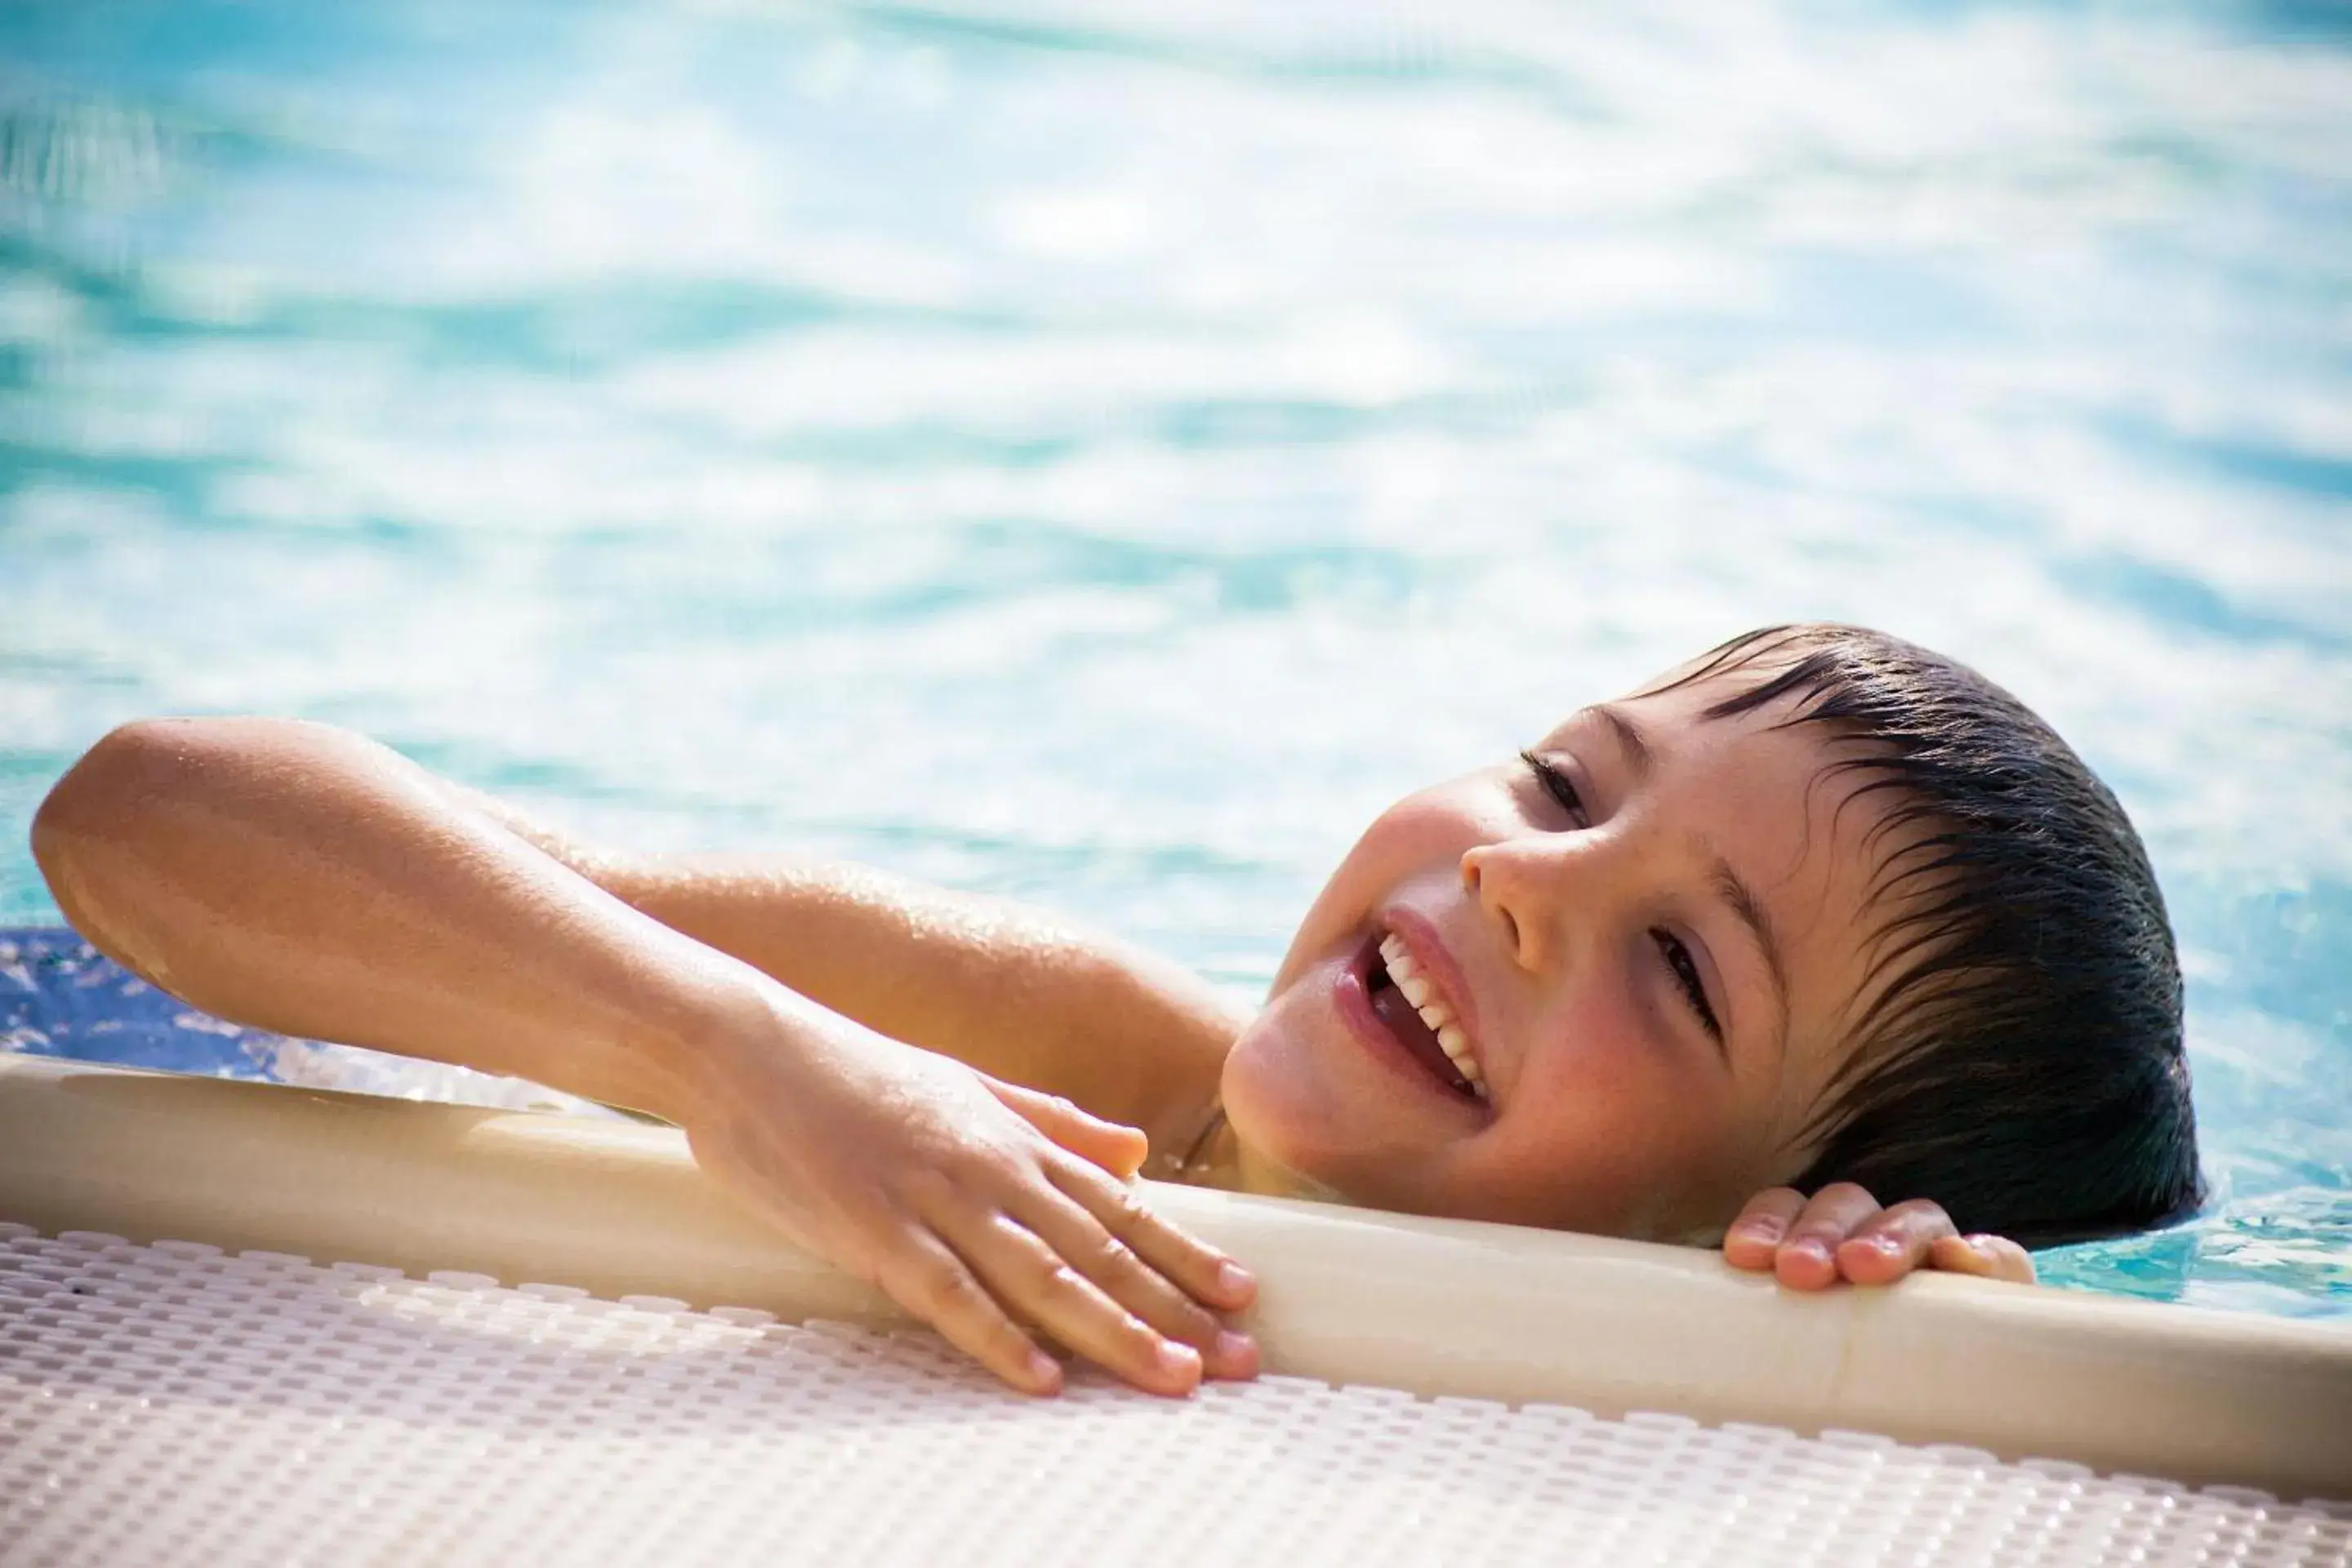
x: 1412, y: 1011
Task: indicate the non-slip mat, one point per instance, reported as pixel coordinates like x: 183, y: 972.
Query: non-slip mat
x: 173, y: 1405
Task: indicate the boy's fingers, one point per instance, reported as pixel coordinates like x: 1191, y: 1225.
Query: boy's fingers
x: 1033, y: 1280
x: 1118, y: 1149
x: 1894, y: 1244
x: 1116, y: 1269
x: 1199, y: 1270
x: 930, y: 1280
x: 2010, y: 1261
x: 1755, y: 1237
x: 1988, y: 1256
x: 1807, y: 1258
x: 1124, y: 1254
x: 1842, y: 1233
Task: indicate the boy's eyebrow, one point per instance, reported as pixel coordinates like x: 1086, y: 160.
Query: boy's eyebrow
x: 1734, y: 890
x: 1629, y: 740
x: 1759, y: 921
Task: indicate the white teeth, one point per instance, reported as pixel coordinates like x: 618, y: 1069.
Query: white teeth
x: 1458, y: 1050
x: 1423, y: 998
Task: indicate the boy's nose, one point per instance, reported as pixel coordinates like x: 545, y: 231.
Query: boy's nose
x: 1479, y: 881
x: 1532, y: 887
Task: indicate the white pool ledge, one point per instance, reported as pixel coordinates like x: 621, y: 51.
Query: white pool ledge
x: 1432, y: 1307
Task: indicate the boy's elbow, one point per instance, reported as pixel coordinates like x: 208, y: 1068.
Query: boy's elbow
x: 129, y: 765
x: 101, y: 813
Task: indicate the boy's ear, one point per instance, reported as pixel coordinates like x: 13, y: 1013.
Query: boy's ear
x: 1117, y: 1148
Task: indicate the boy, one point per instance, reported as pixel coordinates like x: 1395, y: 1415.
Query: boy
x: 1817, y: 916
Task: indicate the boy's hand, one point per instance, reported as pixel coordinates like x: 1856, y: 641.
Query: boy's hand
x: 988, y: 1211
x: 1841, y: 1233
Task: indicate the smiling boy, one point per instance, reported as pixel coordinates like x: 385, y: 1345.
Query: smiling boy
x: 1818, y: 919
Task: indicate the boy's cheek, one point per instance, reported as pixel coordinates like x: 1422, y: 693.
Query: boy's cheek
x: 1423, y: 836
x: 1438, y: 823
x: 1606, y: 1135
x: 1420, y: 837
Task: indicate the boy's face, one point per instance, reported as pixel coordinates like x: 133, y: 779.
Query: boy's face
x: 1564, y: 924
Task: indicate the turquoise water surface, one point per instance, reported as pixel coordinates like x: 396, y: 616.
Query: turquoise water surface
x: 1103, y: 453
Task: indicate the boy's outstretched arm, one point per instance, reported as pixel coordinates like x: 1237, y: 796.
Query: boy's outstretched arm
x: 304, y: 879
x: 1009, y: 989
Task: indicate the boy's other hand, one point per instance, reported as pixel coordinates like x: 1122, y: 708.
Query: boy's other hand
x: 994, y: 1214
x: 1842, y: 1233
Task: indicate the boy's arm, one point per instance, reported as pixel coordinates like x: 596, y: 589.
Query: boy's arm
x: 1121, y: 1032
x: 305, y: 880
x: 310, y: 881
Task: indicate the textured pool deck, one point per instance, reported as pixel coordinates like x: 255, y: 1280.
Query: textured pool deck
x: 171, y: 1403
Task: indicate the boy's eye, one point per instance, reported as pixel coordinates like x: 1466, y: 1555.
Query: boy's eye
x: 1558, y: 785
x: 1678, y: 958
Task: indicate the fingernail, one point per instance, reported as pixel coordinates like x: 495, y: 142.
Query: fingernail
x: 1233, y: 1349
x: 1812, y: 1247
x: 1233, y: 1278
x: 1179, y: 1360
x: 1886, y: 1244
x: 1044, y: 1372
x: 1762, y: 1230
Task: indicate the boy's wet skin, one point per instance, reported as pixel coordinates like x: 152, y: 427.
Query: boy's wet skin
x: 1657, y: 941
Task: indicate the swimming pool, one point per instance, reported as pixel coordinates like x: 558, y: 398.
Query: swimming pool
x: 1103, y: 456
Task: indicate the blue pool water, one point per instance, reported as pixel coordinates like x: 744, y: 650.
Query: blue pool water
x: 1103, y: 452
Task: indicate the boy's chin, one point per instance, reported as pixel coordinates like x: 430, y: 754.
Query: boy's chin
x: 1281, y: 1113
x: 1306, y: 1130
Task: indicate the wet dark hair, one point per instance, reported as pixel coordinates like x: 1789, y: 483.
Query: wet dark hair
x: 2019, y: 1059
